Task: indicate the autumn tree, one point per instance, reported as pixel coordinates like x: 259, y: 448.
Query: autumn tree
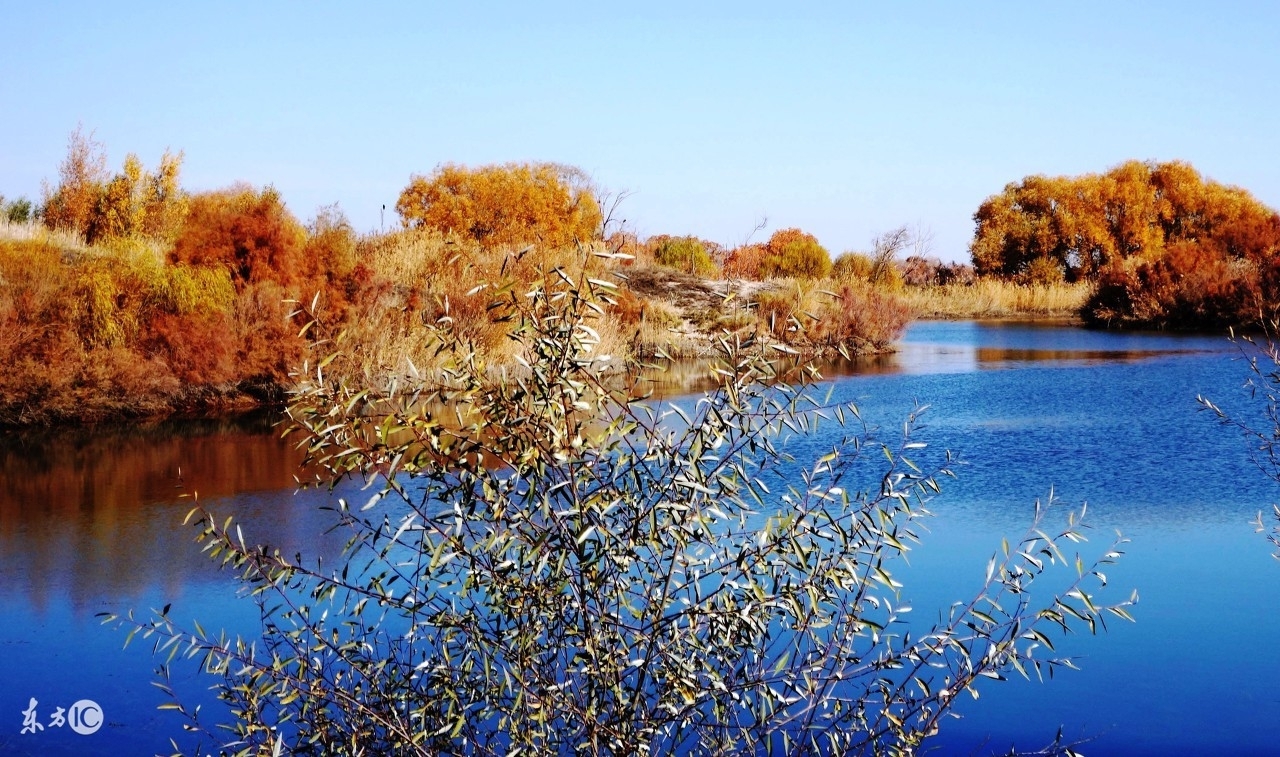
x: 81, y: 178
x: 1080, y: 225
x: 1165, y: 247
x: 134, y: 202
x: 516, y: 203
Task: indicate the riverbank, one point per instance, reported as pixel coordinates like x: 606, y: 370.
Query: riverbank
x: 122, y: 331
x: 130, y: 330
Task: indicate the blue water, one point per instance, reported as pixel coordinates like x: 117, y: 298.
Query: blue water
x: 1103, y: 418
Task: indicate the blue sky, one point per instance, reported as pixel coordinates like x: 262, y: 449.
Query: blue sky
x: 846, y: 120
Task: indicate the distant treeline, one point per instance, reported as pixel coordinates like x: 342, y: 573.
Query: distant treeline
x: 123, y: 294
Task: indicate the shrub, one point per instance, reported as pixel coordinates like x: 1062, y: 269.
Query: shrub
x: 921, y: 271
x: 791, y: 253
x: 956, y: 273
x: 744, y: 262
x: 631, y: 309
x: 857, y: 319
x: 17, y: 211
x: 198, y: 348
x: 333, y: 260
x: 1043, y: 271
x: 1193, y: 285
x: 776, y: 314
x: 685, y: 254
x: 860, y: 320
x: 629, y: 246
x: 247, y: 232
x: 512, y: 204
x: 552, y: 566
x: 268, y: 345
x: 853, y: 266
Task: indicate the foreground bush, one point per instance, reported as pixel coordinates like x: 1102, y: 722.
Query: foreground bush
x: 1260, y: 423
x: 552, y: 566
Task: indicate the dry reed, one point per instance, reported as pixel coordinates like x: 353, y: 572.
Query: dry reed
x: 993, y: 298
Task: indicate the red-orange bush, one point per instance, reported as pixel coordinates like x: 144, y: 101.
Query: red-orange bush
x: 199, y: 348
x: 744, y: 262
x: 1193, y: 285
x: 248, y: 232
x: 863, y: 319
x: 267, y: 340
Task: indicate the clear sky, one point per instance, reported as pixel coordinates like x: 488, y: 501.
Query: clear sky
x: 846, y: 119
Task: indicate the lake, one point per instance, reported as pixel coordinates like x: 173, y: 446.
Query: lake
x: 91, y: 522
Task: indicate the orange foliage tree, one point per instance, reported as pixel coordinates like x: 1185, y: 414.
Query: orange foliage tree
x: 1232, y: 280
x: 517, y: 203
x: 81, y: 177
x: 1082, y: 224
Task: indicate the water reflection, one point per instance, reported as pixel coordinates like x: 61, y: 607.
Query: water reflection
x: 90, y: 513
x: 932, y: 347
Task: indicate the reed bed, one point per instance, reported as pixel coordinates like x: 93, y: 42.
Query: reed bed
x: 993, y: 298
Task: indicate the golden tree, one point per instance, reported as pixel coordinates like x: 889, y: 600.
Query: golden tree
x: 1083, y: 224
x: 516, y: 203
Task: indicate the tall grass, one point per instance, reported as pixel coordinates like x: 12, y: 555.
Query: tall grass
x: 422, y: 277
x: 995, y: 298
x: 34, y: 231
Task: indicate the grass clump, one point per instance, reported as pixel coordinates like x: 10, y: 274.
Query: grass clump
x: 997, y: 298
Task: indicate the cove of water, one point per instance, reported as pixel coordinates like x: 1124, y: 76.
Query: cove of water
x: 91, y: 522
